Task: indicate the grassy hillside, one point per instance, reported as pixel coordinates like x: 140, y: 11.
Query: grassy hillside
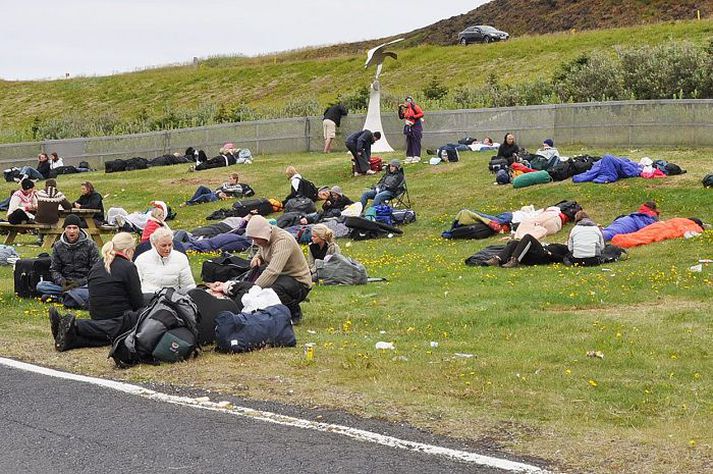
x: 529, y: 387
x: 293, y: 84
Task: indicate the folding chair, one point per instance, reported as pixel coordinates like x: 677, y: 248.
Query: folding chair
x: 403, y: 200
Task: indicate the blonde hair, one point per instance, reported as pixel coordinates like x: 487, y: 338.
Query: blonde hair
x: 235, y: 176
x: 323, y: 232
x: 119, y: 243
x: 158, y: 214
x: 159, y: 233
x: 290, y: 171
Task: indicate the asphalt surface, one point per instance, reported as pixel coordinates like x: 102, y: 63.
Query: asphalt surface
x: 53, y: 425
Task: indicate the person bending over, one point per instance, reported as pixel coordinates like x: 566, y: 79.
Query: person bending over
x: 330, y: 122
x: 359, y: 145
x: 392, y: 184
x: 286, y: 270
x: 114, y: 300
x: 164, y: 267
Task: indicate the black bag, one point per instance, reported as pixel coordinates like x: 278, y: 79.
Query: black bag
x: 83, y: 164
x: 307, y: 189
x: 11, y: 174
x: 114, y: 166
x: 482, y: 256
x: 672, y: 169
x: 562, y: 170
x: 252, y: 206
x: 269, y: 327
x: 612, y: 253
x: 466, y: 141
x: 362, y: 229
x: 136, y: 163
x: 303, y: 205
x: 479, y: 230
x: 29, y: 272
x: 159, y: 333
x: 569, y: 208
x: 496, y: 164
x: 448, y: 153
x: 224, y: 268
x: 63, y: 170
x: 708, y: 181
x: 403, y: 216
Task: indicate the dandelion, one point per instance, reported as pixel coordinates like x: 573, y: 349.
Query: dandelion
x: 593, y: 383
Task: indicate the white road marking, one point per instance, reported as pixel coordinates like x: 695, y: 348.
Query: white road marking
x: 354, y: 433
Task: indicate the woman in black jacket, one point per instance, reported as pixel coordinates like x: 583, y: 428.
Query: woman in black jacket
x: 508, y: 149
x: 90, y: 199
x: 114, y: 300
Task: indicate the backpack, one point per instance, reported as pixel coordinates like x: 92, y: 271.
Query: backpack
x: 448, y: 153
x: 11, y: 174
x: 307, y: 189
x: 672, y: 169
x: 569, y: 208
x: 300, y: 204
x: 502, y: 176
x: 340, y: 270
x: 166, y: 330
x: 466, y: 140
x: 362, y: 228
x: 83, y: 164
x: 384, y: 214
x: 497, y: 164
x: 479, y: 230
x: 708, y: 181
x: 115, y: 166
x: 245, y: 332
x: 29, y: 272
x: 224, y: 268
x: 252, y: 206
x: 403, y: 216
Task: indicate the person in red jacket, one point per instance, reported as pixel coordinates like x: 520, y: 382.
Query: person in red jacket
x: 157, y: 219
x: 412, y: 115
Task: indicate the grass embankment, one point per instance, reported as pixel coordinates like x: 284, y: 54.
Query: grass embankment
x: 295, y: 83
x: 528, y: 388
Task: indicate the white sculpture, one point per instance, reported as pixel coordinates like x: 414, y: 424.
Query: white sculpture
x: 376, y: 56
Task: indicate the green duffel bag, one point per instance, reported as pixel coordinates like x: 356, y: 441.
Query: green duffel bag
x: 175, y: 345
x: 529, y: 179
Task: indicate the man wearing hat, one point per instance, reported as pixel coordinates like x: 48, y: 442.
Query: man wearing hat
x: 285, y: 266
x: 548, y: 149
x: 73, y: 255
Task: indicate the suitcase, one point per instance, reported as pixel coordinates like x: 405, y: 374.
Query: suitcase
x: 252, y: 206
x: 29, y: 272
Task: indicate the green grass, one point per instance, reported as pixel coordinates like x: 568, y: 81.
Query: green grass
x: 529, y: 387
x: 267, y: 84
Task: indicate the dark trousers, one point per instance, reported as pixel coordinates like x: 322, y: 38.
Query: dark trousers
x: 217, y: 162
x: 528, y: 251
x: 291, y: 294
x: 585, y: 262
x: 99, y: 332
x: 18, y: 216
x: 208, y: 308
x: 361, y: 162
x: 413, y: 133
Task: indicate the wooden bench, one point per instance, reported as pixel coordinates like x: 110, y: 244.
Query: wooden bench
x: 14, y: 229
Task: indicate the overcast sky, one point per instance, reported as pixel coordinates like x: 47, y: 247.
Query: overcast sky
x: 48, y: 38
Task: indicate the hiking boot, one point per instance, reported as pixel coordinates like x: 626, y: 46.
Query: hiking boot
x: 64, y: 329
x: 55, y: 318
x: 512, y: 263
x: 493, y: 261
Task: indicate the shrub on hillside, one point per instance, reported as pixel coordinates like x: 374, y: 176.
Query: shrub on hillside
x: 356, y: 101
x: 435, y: 90
x: 590, y: 77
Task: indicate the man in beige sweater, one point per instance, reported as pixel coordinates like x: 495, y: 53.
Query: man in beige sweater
x: 286, y: 270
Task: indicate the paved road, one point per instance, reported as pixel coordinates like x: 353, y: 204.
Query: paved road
x: 53, y: 425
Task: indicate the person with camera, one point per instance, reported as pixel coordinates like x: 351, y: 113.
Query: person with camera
x: 412, y: 115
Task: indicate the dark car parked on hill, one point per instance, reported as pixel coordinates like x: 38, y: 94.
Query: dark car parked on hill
x: 481, y: 34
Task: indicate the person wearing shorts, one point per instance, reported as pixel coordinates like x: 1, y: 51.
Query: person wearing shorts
x: 332, y: 119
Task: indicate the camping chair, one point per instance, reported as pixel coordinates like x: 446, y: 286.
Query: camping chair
x: 402, y: 200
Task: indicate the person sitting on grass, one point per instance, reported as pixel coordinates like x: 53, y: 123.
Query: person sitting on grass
x: 391, y: 184
x: 585, y: 242
x: 23, y: 203
x: 227, y: 190
x: 359, y: 145
x: 334, y: 201
x: 528, y: 251
x: 42, y: 171
x: 509, y: 149
x: 114, y: 300
x: 286, y: 270
x: 299, y: 186
x: 157, y: 219
x: 164, y: 267
x: 73, y: 257
x: 323, y: 245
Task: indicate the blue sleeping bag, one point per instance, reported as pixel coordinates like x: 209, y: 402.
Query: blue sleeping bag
x: 245, y: 332
x: 627, y: 224
x: 226, y: 242
x: 608, y: 170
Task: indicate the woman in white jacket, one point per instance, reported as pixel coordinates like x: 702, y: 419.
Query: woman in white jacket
x: 164, y: 267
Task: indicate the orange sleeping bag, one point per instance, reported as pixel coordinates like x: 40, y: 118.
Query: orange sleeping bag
x: 658, y: 231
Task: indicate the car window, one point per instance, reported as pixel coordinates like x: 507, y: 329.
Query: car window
x: 488, y: 29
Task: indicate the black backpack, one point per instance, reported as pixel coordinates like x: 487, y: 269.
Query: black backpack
x: 224, y: 268
x: 497, y: 163
x: 252, y: 206
x: 166, y: 331
x: 708, y: 181
x: 448, y: 153
x: 307, y: 189
x: 29, y: 272
x: 301, y: 204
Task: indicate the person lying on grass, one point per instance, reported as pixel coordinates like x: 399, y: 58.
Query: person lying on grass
x: 230, y: 189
